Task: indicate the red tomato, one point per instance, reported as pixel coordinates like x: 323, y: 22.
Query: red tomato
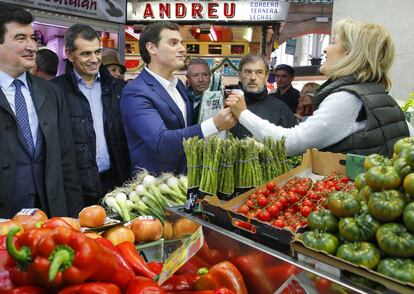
x: 270, y: 186
x: 273, y: 210
x: 249, y: 203
x: 284, y: 201
x: 305, y: 210
x: 262, y: 201
x: 280, y: 223
x: 244, y: 209
x: 293, y: 198
x: 264, y: 216
x: 307, y: 202
x: 278, y: 204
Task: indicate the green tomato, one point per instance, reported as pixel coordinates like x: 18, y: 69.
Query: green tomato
x: 375, y: 160
x: 321, y: 241
x: 386, y: 205
x: 361, y: 253
x: 364, y: 194
x: 395, y: 240
x: 408, y: 184
x: 360, y: 228
x: 343, y: 204
x: 382, y: 177
x: 402, y: 167
x: 360, y: 181
x: 323, y: 220
x: 402, y: 144
x: 409, y: 217
x: 397, y: 268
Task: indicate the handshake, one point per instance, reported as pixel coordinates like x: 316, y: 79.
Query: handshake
x: 228, y: 116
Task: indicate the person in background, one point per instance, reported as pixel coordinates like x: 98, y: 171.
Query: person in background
x: 156, y: 110
x: 47, y: 63
x: 38, y: 166
x: 354, y: 112
x: 93, y: 97
x: 284, y: 75
x: 253, y: 74
x: 111, y: 60
x: 305, y: 107
x: 198, y: 80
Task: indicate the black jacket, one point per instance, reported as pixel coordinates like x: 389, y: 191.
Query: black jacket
x: 385, y: 120
x: 84, y: 134
x: 267, y: 107
x: 290, y: 97
x: 63, y: 191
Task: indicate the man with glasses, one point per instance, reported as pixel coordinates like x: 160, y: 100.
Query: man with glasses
x: 93, y: 97
x: 253, y: 74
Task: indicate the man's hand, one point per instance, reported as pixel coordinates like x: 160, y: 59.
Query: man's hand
x: 236, y: 102
x: 224, y: 119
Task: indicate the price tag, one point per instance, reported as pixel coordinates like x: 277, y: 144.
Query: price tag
x: 292, y: 286
x: 328, y: 269
x: 179, y: 257
x: 27, y: 211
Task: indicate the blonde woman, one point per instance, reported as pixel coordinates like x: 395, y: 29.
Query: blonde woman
x: 354, y: 112
x: 305, y: 107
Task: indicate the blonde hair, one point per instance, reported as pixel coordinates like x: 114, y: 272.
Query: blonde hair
x: 370, y: 52
x: 311, y: 87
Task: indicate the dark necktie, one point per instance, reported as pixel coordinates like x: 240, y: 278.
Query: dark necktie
x: 22, y: 115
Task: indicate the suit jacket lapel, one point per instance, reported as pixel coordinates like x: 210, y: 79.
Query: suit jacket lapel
x: 159, y: 89
x: 188, y: 102
x: 5, y: 104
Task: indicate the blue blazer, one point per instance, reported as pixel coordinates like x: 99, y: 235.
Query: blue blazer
x: 154, y: 125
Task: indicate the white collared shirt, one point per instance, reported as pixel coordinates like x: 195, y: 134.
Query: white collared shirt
x: 93, y: 94
x: 208, y: 127
x: 9, y: 90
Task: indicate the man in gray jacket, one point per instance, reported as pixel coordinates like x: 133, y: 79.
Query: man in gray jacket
x: 37, y: 162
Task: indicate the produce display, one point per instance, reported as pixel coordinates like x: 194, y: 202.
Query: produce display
x: 372, y: 225
x: 289, y: 205
x: 221, y: 167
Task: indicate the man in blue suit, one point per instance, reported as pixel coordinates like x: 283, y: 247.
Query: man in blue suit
x: 156, y: 111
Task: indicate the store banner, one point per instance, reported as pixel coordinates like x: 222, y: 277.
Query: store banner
x: 106, y: 10
x: 197, y: 11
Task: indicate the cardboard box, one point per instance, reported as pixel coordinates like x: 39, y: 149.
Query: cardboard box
x: 331, y: 262
x: 315, y: 164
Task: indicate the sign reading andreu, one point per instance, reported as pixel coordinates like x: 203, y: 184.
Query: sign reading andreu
x: 201, y: 11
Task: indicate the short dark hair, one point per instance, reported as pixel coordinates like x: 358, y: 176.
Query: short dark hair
x: 47, y: 61
x: 79, y: 30
x: 248, y: 58
x: 11, y: 13
x: 151, y: 33
x: 196, y: 61
x: 287, y: 68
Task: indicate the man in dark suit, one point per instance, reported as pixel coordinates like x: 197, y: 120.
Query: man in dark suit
x: 37, y: 162
x: 92, y: 95
x: 156, y: 111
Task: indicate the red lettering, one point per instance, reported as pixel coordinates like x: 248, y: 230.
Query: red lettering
x: 229, y: 10
x: 212, y: 10
x: 196, y: 10
x: 180, y: 10
x: 165, y: 10
x: 148, y: 11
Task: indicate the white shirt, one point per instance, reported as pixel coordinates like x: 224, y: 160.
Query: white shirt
x: 208, y: 127
x: 334, y: 120
x: 94, y: 96
x: 9, y: 90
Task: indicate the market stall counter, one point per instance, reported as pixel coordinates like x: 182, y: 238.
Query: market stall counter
x: 264, y: 270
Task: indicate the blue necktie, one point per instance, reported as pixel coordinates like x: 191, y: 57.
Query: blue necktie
x: 22, y: 115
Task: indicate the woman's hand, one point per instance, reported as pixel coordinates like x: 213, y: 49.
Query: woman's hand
x: 236, y: 102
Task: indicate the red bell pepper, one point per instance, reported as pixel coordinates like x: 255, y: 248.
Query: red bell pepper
x: 180, y: 282
x: 155, y: 267
x: 143, y: 285
x: 55, y: 222
x: 192, y: 266
x: 92, y: 288
x: 278, y: 274
x: 124, y: 273
x: 27, y: 290
x: 253, y: 271
x: 6, y: 263
x: 212, y: 256
x: 223, y: 274
x: 131, y: 256
x: 27, y: 242
x: 217, y: 291
x: 66, y: 257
